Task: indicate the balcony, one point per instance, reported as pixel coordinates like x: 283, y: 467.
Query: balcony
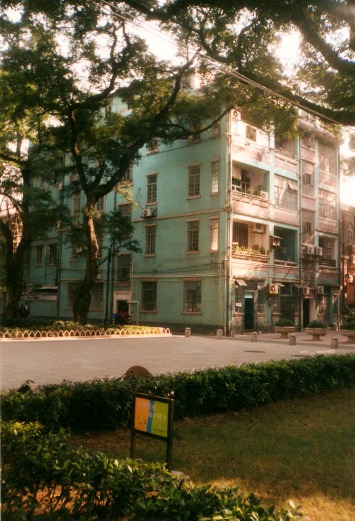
x: 244, y: 253
x: 252, y: 202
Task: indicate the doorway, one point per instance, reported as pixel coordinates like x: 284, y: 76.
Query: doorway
x: 306, y: 312
x: 249, y: 320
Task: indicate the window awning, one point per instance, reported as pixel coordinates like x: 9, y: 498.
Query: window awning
x: 292, y: 185
x: 240, y: 282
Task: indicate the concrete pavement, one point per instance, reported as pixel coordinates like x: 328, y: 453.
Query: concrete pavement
x: 50, y: 361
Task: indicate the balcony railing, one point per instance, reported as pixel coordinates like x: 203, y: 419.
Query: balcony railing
x: 329, y: 263
x: 242, y: 252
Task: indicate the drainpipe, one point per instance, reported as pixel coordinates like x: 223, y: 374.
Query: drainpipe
x: 299, y: 289
x: 229, y: 207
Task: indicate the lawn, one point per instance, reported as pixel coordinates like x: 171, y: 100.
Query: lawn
x: 299, y: 450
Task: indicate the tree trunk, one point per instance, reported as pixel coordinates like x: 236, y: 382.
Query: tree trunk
x: 82, y: 293
x: 14, y: 266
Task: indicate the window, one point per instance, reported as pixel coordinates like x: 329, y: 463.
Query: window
x: 214, y: 234
x: 194, y: 180
x: 216, y: 130
x: 286, y: 193
x: 150, y: 236
x: 39, y: 255
x: 70, y: 294
x: 240, y: 179
x: 126, y: 211
x: 75, y: 253
x: 152, y: 188
x: 192, y: 296
x: 250, y: 133
x: 349, y: 234
x: 28, y: 257
x: 76, y: 204
x: 124, y: 268
x: 286, y: 146
x: 215, y: 169
x: 100, y: 245
x: 149, y: 296
x: 192, y: 236
x: 326, y: 158
x: 307, y: 227
x: 97, y: 296
x: 327, y: 207
x: 52, y: 253
x: 307, y: 173
x: 328, y: 248
x: 240, y: 234
x: 128, y: 175
x: 308, y: 140
x: 152, y: 146
x: 100, y: 205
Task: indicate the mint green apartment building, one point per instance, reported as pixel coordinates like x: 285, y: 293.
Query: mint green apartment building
x: 236, y: 229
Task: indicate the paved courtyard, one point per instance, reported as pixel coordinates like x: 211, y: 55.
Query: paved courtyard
x: 51, y: 361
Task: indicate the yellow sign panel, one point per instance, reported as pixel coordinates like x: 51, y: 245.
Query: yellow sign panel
x: 151, y: 416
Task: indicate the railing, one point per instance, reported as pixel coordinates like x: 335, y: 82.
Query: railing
x: 241, y: 252
x: 329, y: 263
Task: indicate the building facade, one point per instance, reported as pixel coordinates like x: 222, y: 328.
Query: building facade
x: 236, y: 226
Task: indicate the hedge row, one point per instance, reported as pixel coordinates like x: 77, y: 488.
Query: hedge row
x: 45, y: 479
x: 105, y: 404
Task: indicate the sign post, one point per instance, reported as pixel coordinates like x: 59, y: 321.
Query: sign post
x: 153, y: 416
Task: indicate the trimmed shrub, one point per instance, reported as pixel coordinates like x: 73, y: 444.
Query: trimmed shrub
x: 104, y: 404
x: 43, y: 478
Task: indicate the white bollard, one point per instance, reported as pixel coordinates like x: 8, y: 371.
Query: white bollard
x: 292, y: 339
x: 219, y: 334
x: 187, y: 331
x: 334, y: 343
x: 254, y: 336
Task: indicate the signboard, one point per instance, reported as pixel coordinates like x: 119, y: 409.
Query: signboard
x: 153, y: 416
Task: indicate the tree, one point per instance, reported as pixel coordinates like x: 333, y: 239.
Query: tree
x: 27, y: 208
x: 242, y: 34
x: 99, y: 145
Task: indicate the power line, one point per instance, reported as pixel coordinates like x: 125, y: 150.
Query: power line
x: 237, y: 75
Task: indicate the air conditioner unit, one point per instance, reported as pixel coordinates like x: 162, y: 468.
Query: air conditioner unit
x: 308, y: 250
x: 273, y: 289
x: 306, y: 290
x: 320, y: 290
x: 148, y: 213
x: 318, y: 251
x: 263, y: 195
x: 259, y: 228
x: 275, y: 241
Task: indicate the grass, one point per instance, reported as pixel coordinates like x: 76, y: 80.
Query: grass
x: 300, y: 450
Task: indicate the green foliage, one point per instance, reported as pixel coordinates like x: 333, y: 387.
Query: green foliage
x: 104, y: 404
x: 317, y: 324
x: 282, y: 322
x: 348, y: 321
x: 44, y: 477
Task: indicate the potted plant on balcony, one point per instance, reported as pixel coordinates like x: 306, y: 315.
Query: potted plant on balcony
x: 316, y: 328
x: 347, y: 328
x: 284, y: 326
